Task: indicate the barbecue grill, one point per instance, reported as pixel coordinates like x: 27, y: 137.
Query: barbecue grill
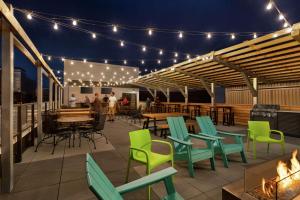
x: 265, y: 112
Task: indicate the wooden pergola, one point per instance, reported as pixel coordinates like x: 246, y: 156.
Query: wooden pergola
x: 13, y: 35
x: 271, y: 58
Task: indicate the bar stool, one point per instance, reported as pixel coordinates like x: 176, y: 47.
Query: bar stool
x: 228, y: 117
x: 213, y: 113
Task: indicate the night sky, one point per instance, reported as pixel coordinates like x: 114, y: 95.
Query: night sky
x: 205, y: 15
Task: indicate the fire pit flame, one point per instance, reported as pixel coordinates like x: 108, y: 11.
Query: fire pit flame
x: 286, y: 176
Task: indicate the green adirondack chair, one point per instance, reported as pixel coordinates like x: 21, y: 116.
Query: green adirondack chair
x: 140, y: 151
x: 208, y: 129
x: 183, y: 145
x: 259, y: 131
x: 100, y: 185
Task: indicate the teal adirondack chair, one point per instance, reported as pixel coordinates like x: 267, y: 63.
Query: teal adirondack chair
x: 208, y: 129
x: 183, y: 146
x: 259, y: 131
x: 104, y: 189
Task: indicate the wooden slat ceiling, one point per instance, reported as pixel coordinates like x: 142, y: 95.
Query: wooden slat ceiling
x: 271, y: 58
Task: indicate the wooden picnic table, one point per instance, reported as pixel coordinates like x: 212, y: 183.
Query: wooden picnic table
x: 161, y: 117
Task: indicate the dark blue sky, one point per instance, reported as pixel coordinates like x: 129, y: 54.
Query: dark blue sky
x: 205, y: 15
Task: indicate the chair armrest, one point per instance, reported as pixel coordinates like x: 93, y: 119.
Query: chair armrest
x: 280, y: 133
x: 180, y: 141
x: 211, y: 136
x: 166, y: 143
x: 202, y: 137
x: 231, y: 134
x: 147, y: 180
x: 141, y: 150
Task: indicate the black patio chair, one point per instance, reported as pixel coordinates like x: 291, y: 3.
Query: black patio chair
x: 96, y: 127
x: 136, y: 115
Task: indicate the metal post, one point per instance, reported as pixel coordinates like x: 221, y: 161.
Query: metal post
x: 50, y: 93
x: 33, y: 131
x: 19, y: 135
x: 155, y: 94
x: 255, y: 88
x: 212, y: 89
x: 58, y: 103
x: 168, y: 95
x: 7, y: 108
x: 39, y: 102
x: 186, y: 92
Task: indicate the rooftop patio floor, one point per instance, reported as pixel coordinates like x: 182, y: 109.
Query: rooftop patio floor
x: 62, y: 175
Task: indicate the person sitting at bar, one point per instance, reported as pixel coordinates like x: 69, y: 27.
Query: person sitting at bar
x: 72, y: 101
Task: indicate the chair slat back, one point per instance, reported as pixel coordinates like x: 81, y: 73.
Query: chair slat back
x: 206, y: 125
x: 140, y: 139
x: 261, y: 128
x: 178, y: 130
x: 98, y: 182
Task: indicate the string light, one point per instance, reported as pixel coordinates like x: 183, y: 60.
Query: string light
x: 150, y: 32
x: 91, y: 66
x: 105, y: 61
x: 125, y: 62
x: 161, y: 52
x: 55, y: 26
x: 281, y: 17
x: 174, y: 61
x: 84, y: 60
x: 285, y: 24
x: 208, y: 35
x: 158, y: 61
x: 144, y: 48
x: 115, y: 28
x: 72, y: 63
x: 180, y: 35
x: 122, y: 43
x: 94, y: 36
x: 143, y: 62
x: 269, y: 5
x: 29, y: 16
x: 49, y: 58
x: 74, y: 22
x: 232, y: 36
x: 63, y: 59
x: 176, y: 54
x: 254, y: 35
x: 187, y: 56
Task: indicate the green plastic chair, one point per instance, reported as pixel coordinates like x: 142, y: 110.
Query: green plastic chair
x: 100, y: 185
x: 208, y: 129
x: 259, y: 131
x: 140, y: 151
x: 184, y: 147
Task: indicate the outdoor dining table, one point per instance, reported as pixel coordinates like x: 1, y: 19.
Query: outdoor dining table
x: 73, y: 109
x: 73, y: 122
x: 76, y: 113
x: 217, y: 108
x: 161, y: 117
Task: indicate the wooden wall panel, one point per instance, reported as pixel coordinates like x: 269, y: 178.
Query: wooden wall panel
x: 281, y: 93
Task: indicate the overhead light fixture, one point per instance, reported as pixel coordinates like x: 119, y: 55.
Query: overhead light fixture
x: 150, y: 32
x: 74, y: 22
x: 158, y: 61
x: 176, y: 54
x: 144, y: 49
x: 180, y: 35
x: 208, y: 35
x: 143, y: 62
x: 269, y: 5
x: 55, y: 26
x: 29, y: 16
x: 232, y: 36
x: 254, y: 35
x: 94, y: 36
x: 115, y: 28
x: 122, y: 43
x: 49, y: 58
x: 105, y: 61
x: 161, y: 52
x: 84, y: 60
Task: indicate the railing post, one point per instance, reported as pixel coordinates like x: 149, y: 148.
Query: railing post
x: 19, y: 135
x: 32, y: 125
x: 212, y: 89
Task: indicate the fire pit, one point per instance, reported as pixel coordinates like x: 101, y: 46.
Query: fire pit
x: 268, y: 182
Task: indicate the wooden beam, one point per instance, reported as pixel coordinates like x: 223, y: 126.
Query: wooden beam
x: 249, y: 85
x: 149, y: 90
x: 23, y: 50
x: 176, y: 84
x: 7, y: 99
x: 163, y: 91
x: 237, y: 68
x: 39, y: 102
x: 296, y: 32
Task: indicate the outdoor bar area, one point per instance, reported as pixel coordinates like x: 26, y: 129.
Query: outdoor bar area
x: 100, y: 130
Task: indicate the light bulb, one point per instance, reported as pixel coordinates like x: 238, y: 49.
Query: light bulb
x: 269, y: 5
x: 254, y: 35
x: 125, y: 62
x: 143, y: 62
x: 122, y: 43
x: 180, y: 35
x: 63, y: 59
x: 232, y: 36
x: 176, y: 54
x: 281, y: 17
x: 29, y: 16
x: 49, y: 58
x: 144, y: 48
x: 275, y: 35
x: 187, y: 56
x: 158, y: 61
x: 74, y: 22
x: 172, y: 68
x: 105, y: 61
x: 55, y: 26
x: 208, y: 35
x: 175, y: 61
x: 91, y: 66
x: 94, y: 35
x: 150, y: 32
x: 285, y: 24
x: 72, y: 63
x: 161, y: 52
x: 115, y: 28
x: 146, y: 70
x: 84, y: 60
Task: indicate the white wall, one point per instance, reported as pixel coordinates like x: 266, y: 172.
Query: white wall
x: 68, y: 91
